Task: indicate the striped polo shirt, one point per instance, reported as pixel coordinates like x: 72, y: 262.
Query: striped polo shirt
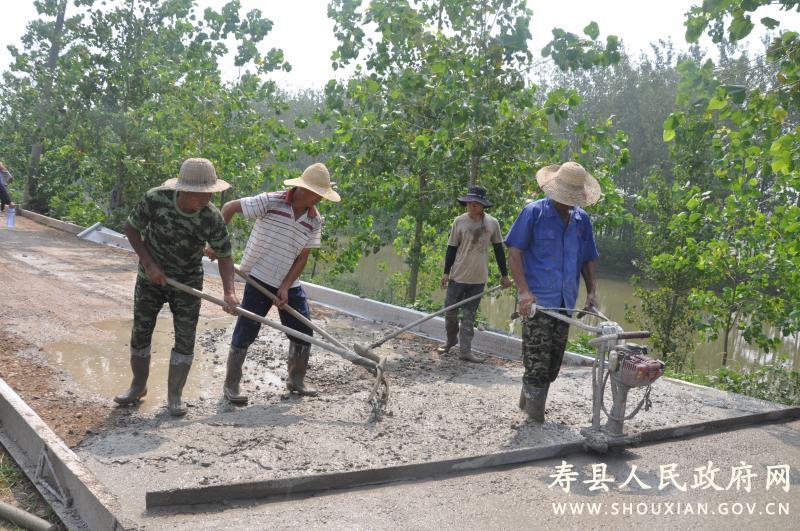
x: 277, y: 237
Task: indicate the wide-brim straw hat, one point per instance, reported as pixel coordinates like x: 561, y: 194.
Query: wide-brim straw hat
x: 569, y: 184
x: 197, y: 175
x: 317, y: 179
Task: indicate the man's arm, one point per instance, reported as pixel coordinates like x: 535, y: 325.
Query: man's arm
x: 226, y: 273
x: 526, y: 297
x: 153, y: 269
x: 229, y: 209
x: 293, y: 274
x: 588, y: 272
x: 500, y: 256
x: 449, y: 260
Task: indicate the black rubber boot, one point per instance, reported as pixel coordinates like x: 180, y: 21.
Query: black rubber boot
x: 297, y: 364
x: 179, y: 366
x: 465, y: 335
x: 140, y: 366
x: 452, y: 336
x: 233, y: 376
x: 534, y: 400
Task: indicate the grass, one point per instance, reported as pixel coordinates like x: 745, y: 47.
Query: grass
x: 16, y: 490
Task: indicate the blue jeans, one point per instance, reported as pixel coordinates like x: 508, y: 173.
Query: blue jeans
x: 254, y: 301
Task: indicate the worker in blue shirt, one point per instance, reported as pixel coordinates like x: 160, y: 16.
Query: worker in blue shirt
x: 551, y: 245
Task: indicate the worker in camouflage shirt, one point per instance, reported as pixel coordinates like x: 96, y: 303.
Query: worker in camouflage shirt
x: 169, y: 229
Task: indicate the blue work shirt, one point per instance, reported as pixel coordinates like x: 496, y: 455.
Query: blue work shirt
x: 553, y: 253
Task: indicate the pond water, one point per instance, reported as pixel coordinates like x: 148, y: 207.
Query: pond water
x: 615, y: 295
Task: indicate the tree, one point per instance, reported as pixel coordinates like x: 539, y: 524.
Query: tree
x: 739, y: 217
x: 441, y: 102
x: 139, y: 88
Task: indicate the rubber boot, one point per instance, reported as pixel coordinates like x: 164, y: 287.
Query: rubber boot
x: 140, y: 366
x: 534, y: 400
x: 465, y: 336
x: 469, y: 356
x: 233, y: 375
x: 297, y: 363
x: 451, y: 327
x: 179, y: 366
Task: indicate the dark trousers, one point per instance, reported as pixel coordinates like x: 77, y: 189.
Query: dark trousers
x: 544, y: 340
x: 148, y: 299
x: 254, y: 301
x: 457, y: 292
x: 5, y: 198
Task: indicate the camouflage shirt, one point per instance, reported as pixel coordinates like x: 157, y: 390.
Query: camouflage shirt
x: 174, y: 238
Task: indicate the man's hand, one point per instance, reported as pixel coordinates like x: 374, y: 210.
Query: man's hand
x: 591, y: 302
x: 155, y: 273
x: 283, y: 296
x: 444, y: 281
x: 231, y: 302
x: 526, y: 301
x: 210, y: 253
x: 506, y: 282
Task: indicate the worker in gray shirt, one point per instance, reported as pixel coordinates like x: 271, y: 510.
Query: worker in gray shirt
x: 466, y: 270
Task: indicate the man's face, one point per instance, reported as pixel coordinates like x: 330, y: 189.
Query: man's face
x: 194, y: 201
x: 306, y: 198
x: 561, y: 207
x: 474, y: 208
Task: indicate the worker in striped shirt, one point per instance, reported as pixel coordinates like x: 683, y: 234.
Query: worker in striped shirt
x: 287, y: 226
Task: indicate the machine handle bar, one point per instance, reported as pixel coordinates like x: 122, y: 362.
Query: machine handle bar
x: 622, y: 335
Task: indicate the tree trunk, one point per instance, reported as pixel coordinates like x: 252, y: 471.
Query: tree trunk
x: 474, y: 169
x: 30, y: 195
x: 415, y: 257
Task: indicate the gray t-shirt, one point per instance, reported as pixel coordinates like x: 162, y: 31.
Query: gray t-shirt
x: 473, y: 239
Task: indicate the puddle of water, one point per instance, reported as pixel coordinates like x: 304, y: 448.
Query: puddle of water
x: 103, y: 366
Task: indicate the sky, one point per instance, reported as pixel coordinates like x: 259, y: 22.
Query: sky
x: 305, y: 33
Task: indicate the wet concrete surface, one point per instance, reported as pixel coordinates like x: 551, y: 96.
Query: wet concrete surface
x: 103, y: 365
x: 55, y: 288
x: 440, y: 408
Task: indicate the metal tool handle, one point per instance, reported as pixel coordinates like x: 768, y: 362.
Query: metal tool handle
x: 568, y: 320
x: 431, y: 316
x: 622, y: 335
x: 238, y: 310
x: 291, y: 311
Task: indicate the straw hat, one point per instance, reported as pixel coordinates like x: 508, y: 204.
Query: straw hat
x: 317, y: 179
x: 569, y: 184
x: 197, y: 175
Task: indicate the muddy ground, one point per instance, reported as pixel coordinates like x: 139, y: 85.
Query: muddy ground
x: 66, y: 307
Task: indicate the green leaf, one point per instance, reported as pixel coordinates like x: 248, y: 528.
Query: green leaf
x: 716, y: 104
x: 771, y: 23
x: 438, y: 68
x: 592, y: 30
x: 736, y: 92
x: 669, y: 134
x: 741, y: 26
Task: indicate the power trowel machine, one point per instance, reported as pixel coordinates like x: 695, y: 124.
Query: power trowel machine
x: 625, y: 366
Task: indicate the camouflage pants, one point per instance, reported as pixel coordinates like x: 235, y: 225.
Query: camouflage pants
x: 544, y: 340
x: 147, y: 302
x: 456, y: 292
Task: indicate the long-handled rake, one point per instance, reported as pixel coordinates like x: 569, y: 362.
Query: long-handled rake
x: 379, y: 393
x: 366, y: 351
